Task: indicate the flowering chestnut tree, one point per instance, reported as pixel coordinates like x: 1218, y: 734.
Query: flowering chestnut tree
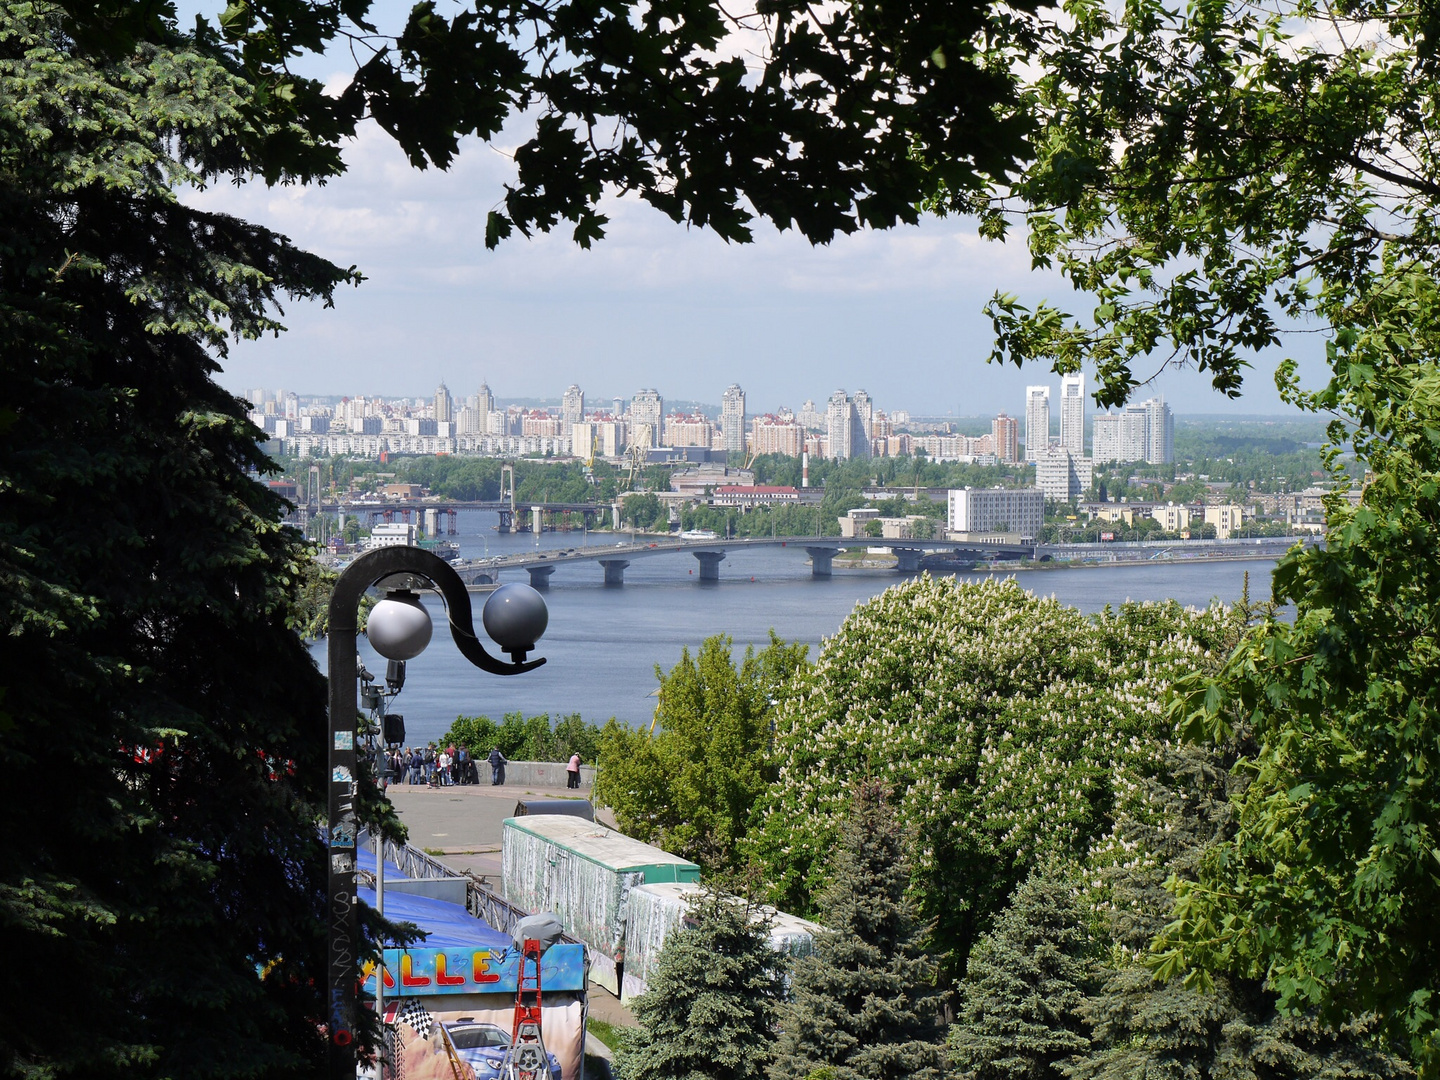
x: 1009, y: 727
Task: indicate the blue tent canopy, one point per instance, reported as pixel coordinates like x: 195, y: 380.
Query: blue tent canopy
x: 445, y: 926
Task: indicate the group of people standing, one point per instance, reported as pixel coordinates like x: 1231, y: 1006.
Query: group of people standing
x: 454, y: 765
x: 441, y: 766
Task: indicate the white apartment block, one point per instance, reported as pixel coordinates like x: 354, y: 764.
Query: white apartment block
x: 572, y: 405
x: 1172, y: 518
x: 996, y: 510
x: 1226, y: 519
x: 776, y: 435
x: 647, y: 411
x: 1159, y: 432
x: 1037, y: 421
x: 1072, y: 414
x: 1105, y: 444
x: 689, y: 430
x: 732, y: 419
x: 1142, y: 432
x: 1062, y: 476
x: 444, y: 405
x: 840, y: 426
x: 954, y: 447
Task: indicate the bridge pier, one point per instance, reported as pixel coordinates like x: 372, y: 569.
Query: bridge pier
x: 507, y: 518
x: 820, y: 558
x: 907, y: 560
x: 614, y: 570
x: 709, y: 564
x: 540, y: 576
x: 537, y: 519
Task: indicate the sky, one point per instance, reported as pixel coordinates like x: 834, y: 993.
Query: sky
x: 654, y: 305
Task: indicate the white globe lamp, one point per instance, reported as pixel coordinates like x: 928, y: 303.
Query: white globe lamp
x: 399, y: 626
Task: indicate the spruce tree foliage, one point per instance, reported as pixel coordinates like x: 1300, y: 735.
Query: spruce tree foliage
x: 162, y: 740
x: 709, y: 1010
x: 691, y: 785
x: 864, y: 1006
x: 1019, y: 1011
x: 1141, y: 1026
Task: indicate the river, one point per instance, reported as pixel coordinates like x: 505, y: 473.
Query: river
x: 603, y: 644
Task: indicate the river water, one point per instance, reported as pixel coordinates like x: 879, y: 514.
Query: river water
x: 603, y: 644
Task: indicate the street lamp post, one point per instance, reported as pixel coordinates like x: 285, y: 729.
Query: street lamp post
x: 399, y: 629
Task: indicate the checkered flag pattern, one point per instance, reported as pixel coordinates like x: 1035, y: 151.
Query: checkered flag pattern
x: 416, y: 1016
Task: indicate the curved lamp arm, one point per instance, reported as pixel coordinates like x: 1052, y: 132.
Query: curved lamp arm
x: 381, y: 563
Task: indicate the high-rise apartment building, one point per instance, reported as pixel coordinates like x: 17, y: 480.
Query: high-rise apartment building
x: 1133, y: 436
x: 572, y: 406
x: 1143, y: 432
x: 484, y: 403
x: 1005, y: 438
x: 687, y: 429
x: 811, y: 418
x: 1072, y: 414
x: 839, y: 425
x: 1037, y: 421
x: 647, y: 411
x: 732, y: 419
x: 444, y: 405
x: 777, y: 435
x: 863, y: 418
x: 1159, y: 432
x: 1105, y: 443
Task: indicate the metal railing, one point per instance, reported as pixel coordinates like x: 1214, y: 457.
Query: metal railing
x: 480, y: 900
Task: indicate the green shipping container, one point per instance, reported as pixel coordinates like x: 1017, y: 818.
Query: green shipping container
x: 584, y: 873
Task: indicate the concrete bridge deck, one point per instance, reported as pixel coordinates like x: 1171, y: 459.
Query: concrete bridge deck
x: 821, y: 550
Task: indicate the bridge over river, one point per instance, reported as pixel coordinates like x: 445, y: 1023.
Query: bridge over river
x: 821, y: 551
x: 521, y: 516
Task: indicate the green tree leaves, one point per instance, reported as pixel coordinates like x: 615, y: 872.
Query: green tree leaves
x: 166, y: 760
x: 1009, y: 727
x: 1215, y: 181
x: 691, y: 785
x: 1327, y: 888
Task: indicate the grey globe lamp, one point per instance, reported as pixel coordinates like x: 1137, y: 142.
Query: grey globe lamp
x: 399, y: 628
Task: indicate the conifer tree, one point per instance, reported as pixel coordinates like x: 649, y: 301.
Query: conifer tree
x: 709, y: 1011
x: 1019, y: 1015
x: 863, y: 1005
x: 1141, y: 1026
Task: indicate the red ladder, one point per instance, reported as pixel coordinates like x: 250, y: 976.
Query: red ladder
x: 526, y: 1058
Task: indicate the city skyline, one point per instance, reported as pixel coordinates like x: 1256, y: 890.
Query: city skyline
x: 850, y: 427
x: 653, y: 304
x: 601, y: 402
